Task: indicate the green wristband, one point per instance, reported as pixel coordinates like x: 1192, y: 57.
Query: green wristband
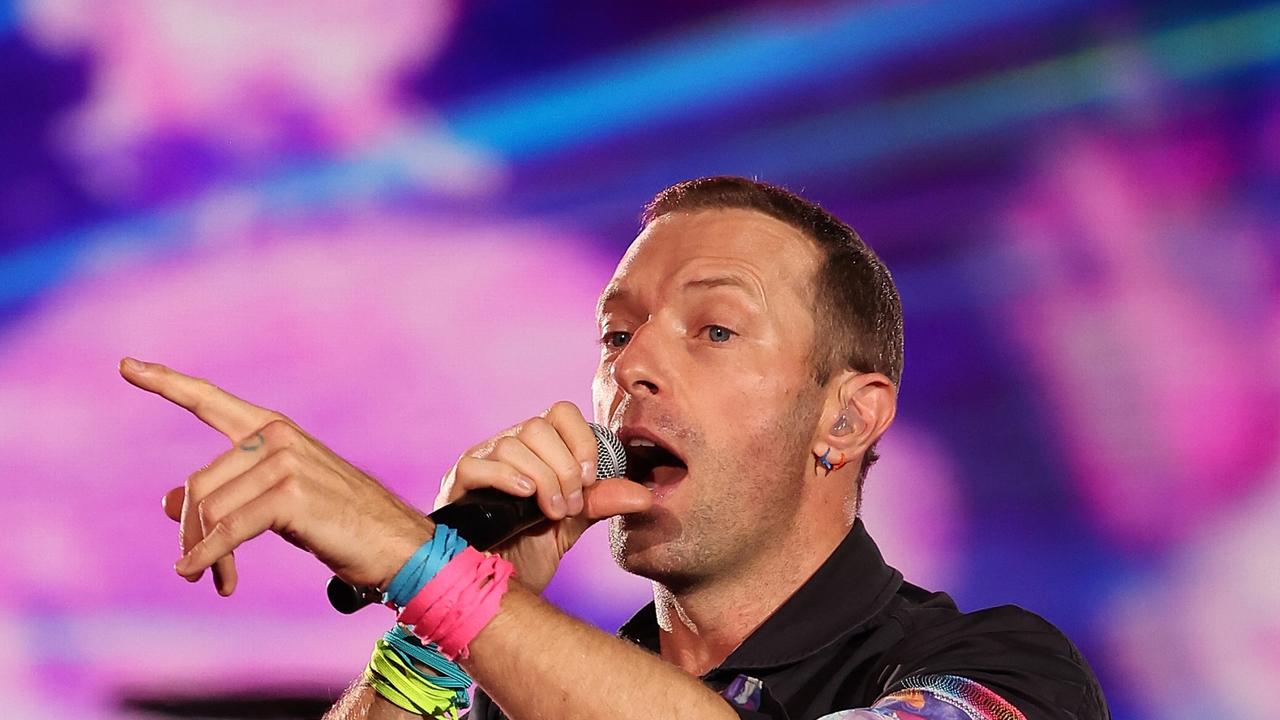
x: 393, y: 679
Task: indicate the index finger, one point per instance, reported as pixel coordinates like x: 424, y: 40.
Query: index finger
x: 219, y: 409
x: 567, y: 419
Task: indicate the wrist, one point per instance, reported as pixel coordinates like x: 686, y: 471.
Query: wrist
x: 404, y: 547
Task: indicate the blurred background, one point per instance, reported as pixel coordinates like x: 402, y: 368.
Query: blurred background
x: 390, y: 220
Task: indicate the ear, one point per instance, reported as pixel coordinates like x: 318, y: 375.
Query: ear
x: 859, y: 409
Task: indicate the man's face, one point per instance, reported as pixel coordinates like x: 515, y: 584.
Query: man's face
x: 706, y: 332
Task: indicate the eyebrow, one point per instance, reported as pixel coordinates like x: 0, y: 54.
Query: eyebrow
x: 615, y: 293
x: 724, y: 281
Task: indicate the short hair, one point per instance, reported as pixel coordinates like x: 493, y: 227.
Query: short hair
x: 857, y: 310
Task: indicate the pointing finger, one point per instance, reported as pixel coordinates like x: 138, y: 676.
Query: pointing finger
x: 219, y: 409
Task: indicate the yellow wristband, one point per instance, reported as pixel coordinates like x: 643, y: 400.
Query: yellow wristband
x: 400, y: 684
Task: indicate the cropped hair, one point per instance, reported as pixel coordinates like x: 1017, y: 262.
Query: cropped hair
x: 857, y: 311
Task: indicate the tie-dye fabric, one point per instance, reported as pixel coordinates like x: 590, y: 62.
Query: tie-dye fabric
x: 936, y: 697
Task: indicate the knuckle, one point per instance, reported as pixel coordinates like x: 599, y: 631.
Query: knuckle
x: 467, y: 470
x: 288, y: 460
x: 535, y: 426
x: 505, y: 446
x: 205, y: 390
x: 278, y: 430
x: 227, y: 527
x: 545, y: 477
x: 451, y: 488
x: 197, y: 482
x: 562, y: 410
x: 568, y: 472
x: 290, y: 487
x: 205, y: 511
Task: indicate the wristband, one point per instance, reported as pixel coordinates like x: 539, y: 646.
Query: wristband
x: 454, y: 641
x: 455, y: 605
x: 406, y: 687
x: 423, y: 565
x: 449, y: 674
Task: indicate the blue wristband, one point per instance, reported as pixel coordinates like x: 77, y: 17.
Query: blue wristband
x: 410, y: 648
x: 423, y: 565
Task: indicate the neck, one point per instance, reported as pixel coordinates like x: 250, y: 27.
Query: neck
x: 700, y: 625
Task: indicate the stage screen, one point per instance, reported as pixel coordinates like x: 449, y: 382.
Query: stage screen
x: 391, y: 221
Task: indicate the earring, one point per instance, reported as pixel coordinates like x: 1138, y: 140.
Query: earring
x: 827, y: 464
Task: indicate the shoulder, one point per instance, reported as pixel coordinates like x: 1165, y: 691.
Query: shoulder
x: 1015, y: 653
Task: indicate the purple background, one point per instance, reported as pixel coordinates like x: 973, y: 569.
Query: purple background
x: 390, y: 220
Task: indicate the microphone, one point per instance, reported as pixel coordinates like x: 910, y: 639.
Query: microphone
x: 486, y: 517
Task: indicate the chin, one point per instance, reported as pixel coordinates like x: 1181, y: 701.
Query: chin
x: 651, y: 546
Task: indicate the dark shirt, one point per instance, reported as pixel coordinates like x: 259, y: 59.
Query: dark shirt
x: 856, y: 631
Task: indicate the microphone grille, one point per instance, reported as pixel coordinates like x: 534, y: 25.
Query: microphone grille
x: 611, y: 459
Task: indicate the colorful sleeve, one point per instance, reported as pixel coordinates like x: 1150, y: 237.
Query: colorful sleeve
x: 935, y: 697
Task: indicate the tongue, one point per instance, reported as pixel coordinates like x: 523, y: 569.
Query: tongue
x: 667, y: 474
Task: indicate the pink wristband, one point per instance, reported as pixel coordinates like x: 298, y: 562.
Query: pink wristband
x: 459, y: 570
x: 456, y: 604
x: 450, y: 608
x: 454, y: 643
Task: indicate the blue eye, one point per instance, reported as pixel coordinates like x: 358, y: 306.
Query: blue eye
x: 616, y: 339
x: 719, y: 334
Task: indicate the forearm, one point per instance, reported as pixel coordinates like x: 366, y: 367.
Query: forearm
x: 361, y: 702
x: 537, y: 662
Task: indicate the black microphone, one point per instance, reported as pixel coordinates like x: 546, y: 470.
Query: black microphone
x: 486, y: 517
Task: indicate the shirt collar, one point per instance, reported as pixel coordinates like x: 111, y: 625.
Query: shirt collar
x: 846, y: 591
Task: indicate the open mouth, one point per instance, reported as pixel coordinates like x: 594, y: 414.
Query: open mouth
x: 653, y: 465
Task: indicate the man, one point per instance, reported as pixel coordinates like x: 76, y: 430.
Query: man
x: 751, y: 349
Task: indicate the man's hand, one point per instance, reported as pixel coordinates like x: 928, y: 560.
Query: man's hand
x: 276, y: 477
x: 554, y: 457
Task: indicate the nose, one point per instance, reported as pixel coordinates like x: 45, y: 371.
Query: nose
x: 638, y: 366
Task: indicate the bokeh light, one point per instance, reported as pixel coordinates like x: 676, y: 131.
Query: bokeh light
x: 390, y: 221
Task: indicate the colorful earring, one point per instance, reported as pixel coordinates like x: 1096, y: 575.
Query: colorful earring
x: 827, y: 464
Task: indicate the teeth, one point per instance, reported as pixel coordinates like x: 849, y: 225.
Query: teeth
x: 639, y: 442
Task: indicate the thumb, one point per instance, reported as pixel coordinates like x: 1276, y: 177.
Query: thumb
x: 615, y: 496
x: 172, y: 503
